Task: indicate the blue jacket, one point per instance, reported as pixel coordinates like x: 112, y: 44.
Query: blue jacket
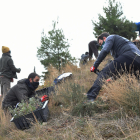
x: 116, y: 45
x: 138, y: 26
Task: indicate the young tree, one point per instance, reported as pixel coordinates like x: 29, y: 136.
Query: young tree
x: 113, y: 22
x: 54, y: 49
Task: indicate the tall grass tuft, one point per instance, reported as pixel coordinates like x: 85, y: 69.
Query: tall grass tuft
x: 125, y: 92
x: 5, y: 125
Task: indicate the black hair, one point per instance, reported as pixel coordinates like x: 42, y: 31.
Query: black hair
x: 104, y: 34
x: 86, y: 53
x: 33, y: 75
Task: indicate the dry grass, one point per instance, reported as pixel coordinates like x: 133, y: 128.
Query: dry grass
x: 5, y: 125
x: 125, y: 92
x: 115, y: 115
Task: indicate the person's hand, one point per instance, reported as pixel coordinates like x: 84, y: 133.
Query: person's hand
x: 44, y: 98
x: 19, y: 70
x: 93, y: 69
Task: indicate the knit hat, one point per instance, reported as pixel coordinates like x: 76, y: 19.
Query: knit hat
x: 5, y: 49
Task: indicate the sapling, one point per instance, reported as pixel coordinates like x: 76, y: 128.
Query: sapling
x: 26, y: 107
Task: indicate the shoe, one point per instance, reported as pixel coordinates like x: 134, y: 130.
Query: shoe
x: 87, y: 102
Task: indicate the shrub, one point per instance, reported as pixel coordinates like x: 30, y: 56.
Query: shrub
x: 82, y: 109
x: 70, y: 94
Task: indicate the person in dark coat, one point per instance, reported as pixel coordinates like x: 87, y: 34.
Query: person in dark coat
x: 23, y: 90
x: 7, y: 70
x: 93, y: 49
x: 126, y: 58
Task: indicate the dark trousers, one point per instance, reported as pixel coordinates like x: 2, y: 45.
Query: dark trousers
x: 5, y: 85
x: 123, y: 62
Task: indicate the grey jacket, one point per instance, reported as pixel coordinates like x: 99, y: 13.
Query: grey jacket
x: 17, y: 93
x: 116, y: 45
x: 7, y: 67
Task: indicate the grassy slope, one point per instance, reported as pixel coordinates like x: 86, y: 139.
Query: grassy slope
x: 115, y: 114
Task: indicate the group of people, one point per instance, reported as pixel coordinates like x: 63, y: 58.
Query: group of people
x: 126, y: 58
x: 23, y: 90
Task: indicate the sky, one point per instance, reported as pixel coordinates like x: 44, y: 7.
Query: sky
x: 22, y: 22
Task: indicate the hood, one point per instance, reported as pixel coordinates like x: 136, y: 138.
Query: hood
x: 21, y: 81
x: 6, y: 54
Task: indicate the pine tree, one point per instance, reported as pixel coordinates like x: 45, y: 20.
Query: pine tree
x: 113, y: 22
x: 54, y: 49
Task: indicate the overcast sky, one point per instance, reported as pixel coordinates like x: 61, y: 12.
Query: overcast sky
x: 22, y: 22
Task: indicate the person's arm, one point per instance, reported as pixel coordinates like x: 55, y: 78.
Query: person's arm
x: 101, y: 57
x: 12, y: 66
x: 106, y: 49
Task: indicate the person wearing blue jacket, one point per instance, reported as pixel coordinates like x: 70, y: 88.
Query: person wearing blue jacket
x: 138, y: 27
x: 126, y: 58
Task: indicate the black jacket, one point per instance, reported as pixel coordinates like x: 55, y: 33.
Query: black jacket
x: 93, y: 48
x: 7, y: 67
x: 17, y: 93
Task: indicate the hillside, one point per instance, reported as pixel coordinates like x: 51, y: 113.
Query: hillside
x: 114, y: 115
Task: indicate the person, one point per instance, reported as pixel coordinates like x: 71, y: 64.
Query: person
x: 126, y: 57
x: 23, y: 90
x: 7, y: 70
x: 138, y: 27
x: 93, y: 49
x: 84, y: 58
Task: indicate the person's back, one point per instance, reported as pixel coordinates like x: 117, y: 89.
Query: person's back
x: 84, y: 58
x: 118, y: 45
x: 5, y: 69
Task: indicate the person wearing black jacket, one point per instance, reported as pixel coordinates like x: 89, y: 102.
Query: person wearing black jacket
x: 126, y: 58
x: 93, y: 49
x: 7, y: 70
x: 23, y: 90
